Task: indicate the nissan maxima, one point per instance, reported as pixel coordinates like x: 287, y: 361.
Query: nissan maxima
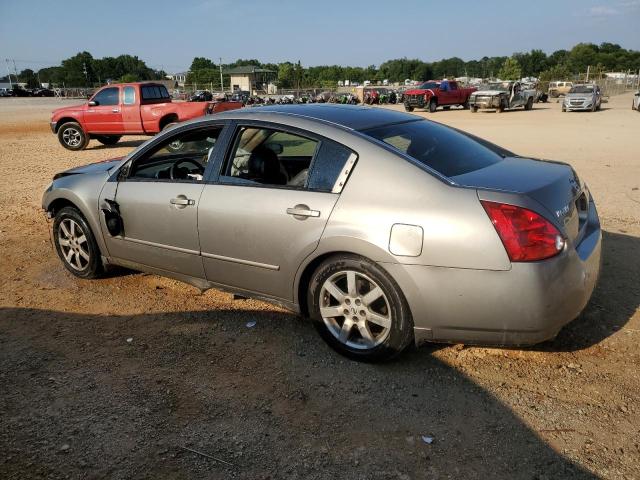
x: 383, y: 228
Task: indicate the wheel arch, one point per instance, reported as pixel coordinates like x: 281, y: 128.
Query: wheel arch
x: 64, y: 120
x: 167, y: 119
x: 337, y: 247
x: 66, y: 198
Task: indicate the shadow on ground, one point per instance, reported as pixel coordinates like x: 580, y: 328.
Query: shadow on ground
x: 89, y: 396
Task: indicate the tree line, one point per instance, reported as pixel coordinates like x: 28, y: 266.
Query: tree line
x: 83, y: 70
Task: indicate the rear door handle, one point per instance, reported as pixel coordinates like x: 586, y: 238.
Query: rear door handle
x: 303, y: 211
x: 181, y: 200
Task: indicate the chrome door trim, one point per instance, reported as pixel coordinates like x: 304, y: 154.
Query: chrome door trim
x: 241, y: 261
x: 160, y: 245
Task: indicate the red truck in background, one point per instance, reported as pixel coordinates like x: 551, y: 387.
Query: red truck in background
x: 437, y: 93
x: 126, y: 109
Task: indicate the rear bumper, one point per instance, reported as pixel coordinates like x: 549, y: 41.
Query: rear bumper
x: 525, y: 305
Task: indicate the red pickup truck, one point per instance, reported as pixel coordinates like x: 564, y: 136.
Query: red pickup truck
x: 125, y: 109
x: 437, y: 93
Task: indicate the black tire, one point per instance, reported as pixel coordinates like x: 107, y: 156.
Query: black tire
x: 474, y: 109
x: 529, y: 104
x: 70, y: 245
x: 563, y: 108
x: 72, y: 137
x: 108, y: 139
x: 386, y: 342
x: 500, y: 109
x: 408, y: 108
x: 465, y: 105
x: 446, y: 107
x: 433, y: 105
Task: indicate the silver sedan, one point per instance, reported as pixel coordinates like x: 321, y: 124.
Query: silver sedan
x: 385, y: 229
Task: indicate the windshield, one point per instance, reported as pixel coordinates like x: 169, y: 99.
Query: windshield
x: 438, y: 147
x: 582, y: 89
x: 500, y: 86
x: 428, y: 85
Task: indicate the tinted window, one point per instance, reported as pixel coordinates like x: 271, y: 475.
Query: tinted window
x: 271, y: 157
x: 329, y: 165
x: 440, y: 148
x: 154, y: 92
x: 129, y: 97
x: 108, y: 96
x: 427, y: 85
x: 181, y: 157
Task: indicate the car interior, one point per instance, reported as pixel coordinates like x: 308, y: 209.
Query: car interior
x: 182, y: 158
x: 271, y: 157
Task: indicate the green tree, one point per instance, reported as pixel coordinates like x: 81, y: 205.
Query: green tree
x: 510, y: 70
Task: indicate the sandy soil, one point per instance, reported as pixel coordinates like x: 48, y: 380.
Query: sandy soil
x: 115, y: 378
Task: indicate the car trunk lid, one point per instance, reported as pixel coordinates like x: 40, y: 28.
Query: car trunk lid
x: 553, y: 185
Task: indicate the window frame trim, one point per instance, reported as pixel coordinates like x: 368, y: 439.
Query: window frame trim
x: 236, y: 125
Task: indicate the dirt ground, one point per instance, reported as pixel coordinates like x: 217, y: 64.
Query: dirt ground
x: 119, y: 377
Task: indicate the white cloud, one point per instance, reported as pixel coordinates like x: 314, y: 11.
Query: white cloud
x: 602, y: 11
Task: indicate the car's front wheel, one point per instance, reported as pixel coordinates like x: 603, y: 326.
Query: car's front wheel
x: 72, y: 137
x: 358, y: 309
x: 75, y: 244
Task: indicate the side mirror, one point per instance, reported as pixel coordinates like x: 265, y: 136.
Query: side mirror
x: 93, y: 103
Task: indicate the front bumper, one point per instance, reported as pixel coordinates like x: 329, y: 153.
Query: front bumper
x: 53, y: 127
x: 578, y: 106
x: 415, y: 101
x: 525, y: 305
x: 484, y: 101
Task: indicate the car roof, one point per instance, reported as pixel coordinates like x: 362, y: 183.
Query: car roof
x: 348, y: 116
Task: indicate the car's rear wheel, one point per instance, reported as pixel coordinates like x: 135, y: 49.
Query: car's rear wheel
x: 408, y: 108
x: 109, y: 139
x: 72, y: 137
x: 358, y: 309
x: 433, y: 105
x: 474, y: 109
x: 75, y: 244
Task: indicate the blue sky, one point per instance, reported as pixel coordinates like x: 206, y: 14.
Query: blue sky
x: 169, y: 34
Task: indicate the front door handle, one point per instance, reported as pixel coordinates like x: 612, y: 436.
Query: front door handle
x: 182, y: 201
x: 302, y: 211
x: 115, y: 110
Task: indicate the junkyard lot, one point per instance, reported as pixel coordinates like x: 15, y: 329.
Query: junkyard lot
x: 78, y: 399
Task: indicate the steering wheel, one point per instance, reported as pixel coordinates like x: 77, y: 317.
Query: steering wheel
x: 174, y: 167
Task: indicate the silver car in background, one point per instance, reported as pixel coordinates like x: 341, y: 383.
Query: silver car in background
x: 382, y: 227
x: 582, y: 97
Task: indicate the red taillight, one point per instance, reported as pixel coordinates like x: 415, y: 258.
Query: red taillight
x: 526, y: 235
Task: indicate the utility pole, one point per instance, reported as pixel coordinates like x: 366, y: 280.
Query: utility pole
x: 588, y: 68
x: 9, y: 73
x: 221, y: 80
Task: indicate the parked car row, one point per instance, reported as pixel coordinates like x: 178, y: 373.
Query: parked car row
x: 26, y: 92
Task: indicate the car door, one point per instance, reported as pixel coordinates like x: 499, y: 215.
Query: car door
x: 157, y: 196
x: 267, y: 209
x: 130, y: 108
x: 103, y: 114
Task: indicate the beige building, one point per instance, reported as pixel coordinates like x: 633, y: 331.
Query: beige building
x: 251, y: 79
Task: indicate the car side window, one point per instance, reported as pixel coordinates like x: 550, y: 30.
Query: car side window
x: 181, y: 157
x: 270, y: 157
x: 129, y: 96
x: 107, y: 96
x: 331, y: 167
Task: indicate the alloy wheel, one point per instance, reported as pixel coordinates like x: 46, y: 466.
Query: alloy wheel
x: 355, y: 310
x: 73, y: 244
x: 71, y: 137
